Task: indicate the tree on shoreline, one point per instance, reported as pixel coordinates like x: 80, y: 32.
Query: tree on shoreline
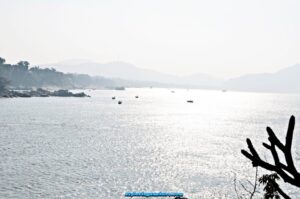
x: 3, y: 84
x: 2, y: 60
x: 22, y: 75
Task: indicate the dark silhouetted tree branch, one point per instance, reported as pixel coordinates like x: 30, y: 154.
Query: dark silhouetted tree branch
x: 288, y: 171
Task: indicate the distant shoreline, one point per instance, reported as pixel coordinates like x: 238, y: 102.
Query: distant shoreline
x: 40, y: 93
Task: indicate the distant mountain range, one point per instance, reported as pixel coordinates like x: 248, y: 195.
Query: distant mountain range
x: 130, y: 72
x: 285, y: 80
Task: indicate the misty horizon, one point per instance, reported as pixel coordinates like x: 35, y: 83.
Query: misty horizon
x: 220, y: 38
x: 86, y: 74
x: 78, y: 61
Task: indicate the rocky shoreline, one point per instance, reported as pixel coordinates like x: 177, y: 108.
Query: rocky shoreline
x: 40, y: 93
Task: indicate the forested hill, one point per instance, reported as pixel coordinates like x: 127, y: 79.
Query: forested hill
x: 21, y: 75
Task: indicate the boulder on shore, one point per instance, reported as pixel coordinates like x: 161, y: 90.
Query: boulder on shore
x: 66, y: 93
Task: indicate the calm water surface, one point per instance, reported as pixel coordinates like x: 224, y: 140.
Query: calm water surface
x: 95, y: 148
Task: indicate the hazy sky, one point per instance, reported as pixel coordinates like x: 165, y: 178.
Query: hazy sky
x: 219, y: 37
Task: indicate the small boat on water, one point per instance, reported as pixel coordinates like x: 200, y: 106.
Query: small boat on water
x: 119, y: 102
x: 190, y: 101
x: 113, y: 98
x: 137, y: 96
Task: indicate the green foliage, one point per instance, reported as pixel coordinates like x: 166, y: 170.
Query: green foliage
x: 23, y: 65
x: 3, y: 84
x: 21, y: 75
x: 2, y: 61
x: 271, y: 186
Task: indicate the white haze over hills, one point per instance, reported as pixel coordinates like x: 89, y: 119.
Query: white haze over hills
x: 127, y: 71
x: 285, y: 80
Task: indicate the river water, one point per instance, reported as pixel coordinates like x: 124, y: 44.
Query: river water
x: 95, y: 148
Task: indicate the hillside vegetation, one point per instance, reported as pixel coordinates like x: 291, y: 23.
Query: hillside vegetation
x: 22, y: 75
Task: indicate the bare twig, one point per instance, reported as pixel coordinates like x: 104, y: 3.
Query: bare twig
x: 245, y: 189
x: 235, y: 188
x: 254, y: 186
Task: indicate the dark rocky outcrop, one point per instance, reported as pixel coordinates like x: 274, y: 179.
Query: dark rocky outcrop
x: 66, y: 93
x: 41, y: 93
